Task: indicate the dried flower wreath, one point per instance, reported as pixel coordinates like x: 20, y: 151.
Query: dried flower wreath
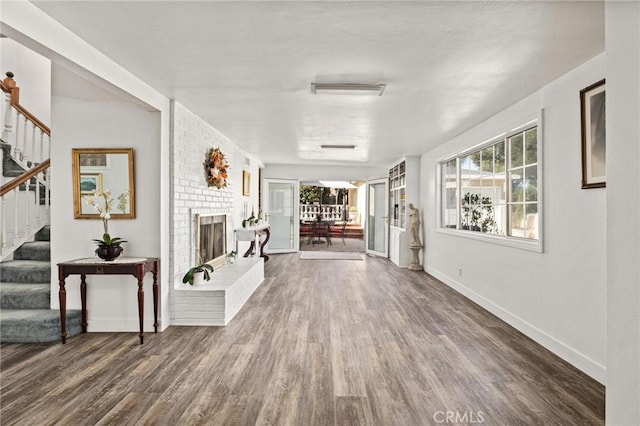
x: 215, y: 168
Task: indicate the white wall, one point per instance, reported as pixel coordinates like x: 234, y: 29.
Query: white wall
x: 191, y: 140
x: 556, y: 297
x: 32, y: 74
x: 31, y: 27
x: 112, y: 302
x: 622, y: 30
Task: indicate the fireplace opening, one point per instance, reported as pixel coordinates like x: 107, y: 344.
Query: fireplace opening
x: 211, y: 239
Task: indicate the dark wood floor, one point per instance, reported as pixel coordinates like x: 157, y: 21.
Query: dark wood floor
x: 331, y: 342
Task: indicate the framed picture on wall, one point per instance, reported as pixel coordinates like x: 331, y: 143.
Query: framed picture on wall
x: 246, y: 182
x: 90, y: 182
x: 593, y: 123
x: 98, y: 160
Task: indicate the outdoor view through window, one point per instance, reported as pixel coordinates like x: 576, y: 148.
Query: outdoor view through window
x: 494, y: 189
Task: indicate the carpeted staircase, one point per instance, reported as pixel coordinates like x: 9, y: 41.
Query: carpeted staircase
x: 25, y: 293
x: 9, y: 167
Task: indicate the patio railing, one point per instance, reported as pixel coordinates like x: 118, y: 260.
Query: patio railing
x: 310, y: 212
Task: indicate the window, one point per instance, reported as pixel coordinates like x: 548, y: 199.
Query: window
x: 493, y: 190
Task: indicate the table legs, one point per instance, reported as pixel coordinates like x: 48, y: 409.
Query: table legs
x: 155, y: 299
x: 83, y: 298
x: 264, y: 243
x: 252, y: 246
x: 250, y: 250
x: 62, y: 296
x: 141, y: 309
x: 82, y: 270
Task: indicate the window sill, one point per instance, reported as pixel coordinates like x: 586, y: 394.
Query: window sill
x: 515, y: 242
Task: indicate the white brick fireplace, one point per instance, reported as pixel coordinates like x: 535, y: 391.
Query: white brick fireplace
x: 217, y: 301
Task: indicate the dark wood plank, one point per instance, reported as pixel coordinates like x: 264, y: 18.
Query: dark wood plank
x: 320, y: 343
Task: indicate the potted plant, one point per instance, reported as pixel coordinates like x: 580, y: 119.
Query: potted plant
x: 198, y: 274
x: 231, y: 256
x: 108, y: 247
x: 253, y: 219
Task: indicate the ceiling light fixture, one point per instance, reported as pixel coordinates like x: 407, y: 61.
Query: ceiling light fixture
x: 338, y: 146
x: 347, y: 89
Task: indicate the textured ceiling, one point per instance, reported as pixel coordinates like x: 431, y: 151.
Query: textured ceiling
x: 246, y: 67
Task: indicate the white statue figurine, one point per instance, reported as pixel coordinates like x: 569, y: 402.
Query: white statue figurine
x: 414, y: 226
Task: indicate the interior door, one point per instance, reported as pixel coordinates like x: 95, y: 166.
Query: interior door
x: 377, y: 224
x: 281, y: 207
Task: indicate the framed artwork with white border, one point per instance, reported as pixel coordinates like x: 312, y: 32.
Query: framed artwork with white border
x: 593, y: 129
x: 90, y: 182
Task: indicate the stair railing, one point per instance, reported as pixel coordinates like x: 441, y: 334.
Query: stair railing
x: 24, y: 207
x: 30, y: 138
x: 24, y: 200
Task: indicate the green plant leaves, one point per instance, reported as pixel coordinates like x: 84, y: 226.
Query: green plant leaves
x: 107, y: 240
x: 205, y: 267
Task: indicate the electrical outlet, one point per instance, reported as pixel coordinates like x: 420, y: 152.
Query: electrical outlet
x: 460, y: 272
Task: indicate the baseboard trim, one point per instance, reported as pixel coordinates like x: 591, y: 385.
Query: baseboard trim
x: 120, y: 325
x: 564, y: 351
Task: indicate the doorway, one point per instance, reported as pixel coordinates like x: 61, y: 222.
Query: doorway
x: 377, y: 226
x: 332, y: 216
x: 280, y: 205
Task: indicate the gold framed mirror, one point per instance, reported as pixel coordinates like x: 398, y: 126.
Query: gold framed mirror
x: 103, y: 169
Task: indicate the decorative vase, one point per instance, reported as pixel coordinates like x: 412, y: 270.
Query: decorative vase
x: 108, y: 252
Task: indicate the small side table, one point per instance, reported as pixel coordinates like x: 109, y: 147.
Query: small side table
x: 136, y: 266
x: 251, y: 234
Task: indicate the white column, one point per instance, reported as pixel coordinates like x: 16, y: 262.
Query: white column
x: 622, y: 34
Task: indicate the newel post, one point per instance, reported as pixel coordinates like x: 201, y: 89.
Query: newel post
x: 9, y: 87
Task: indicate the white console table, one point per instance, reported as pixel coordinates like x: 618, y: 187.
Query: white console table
x: 252, y: 234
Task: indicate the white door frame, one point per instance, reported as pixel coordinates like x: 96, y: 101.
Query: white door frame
x: 295, y: 215
x: 385, y: 252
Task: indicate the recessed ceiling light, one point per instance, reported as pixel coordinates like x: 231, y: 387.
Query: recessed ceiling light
x: 347, y: 89
x: 338, y: 146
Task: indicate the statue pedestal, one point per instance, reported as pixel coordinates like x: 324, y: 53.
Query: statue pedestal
x: 415, y: 261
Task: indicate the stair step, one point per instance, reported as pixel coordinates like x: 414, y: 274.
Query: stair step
x: 12, y: 173
x: 25, y: 271
x: 9, y: 167
x: 25, y: 296
x: 36, y: 325
x: 44, y: 234
x: 33, y: 250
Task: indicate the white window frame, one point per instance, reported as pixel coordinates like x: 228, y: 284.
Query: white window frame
x: 504, y: 240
